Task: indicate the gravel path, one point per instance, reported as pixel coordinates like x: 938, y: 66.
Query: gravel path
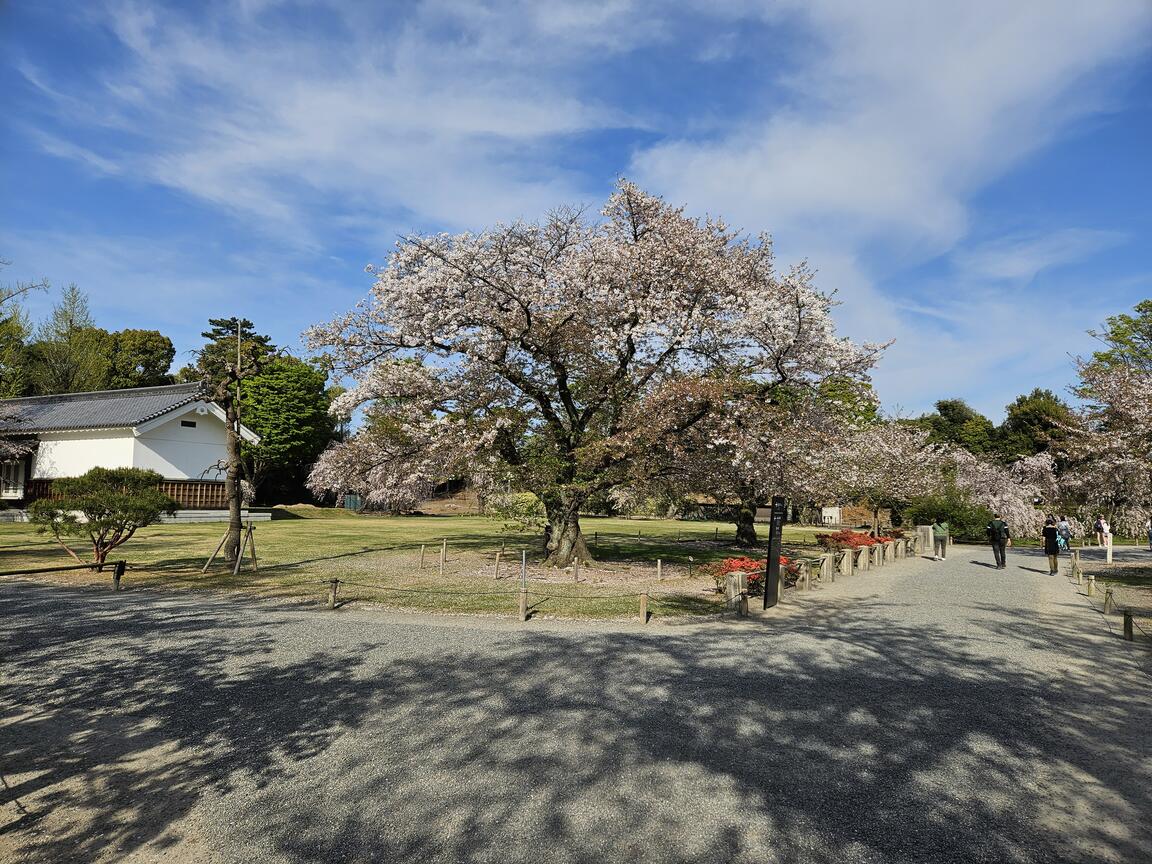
x: 925, y: 712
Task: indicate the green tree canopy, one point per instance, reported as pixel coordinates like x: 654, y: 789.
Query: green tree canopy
x: 70, y: 353
x: 956, y: 422
x: 140, y: 358
x: 1034, y: 424
x: 286, y: 404
x: 1129, y: 339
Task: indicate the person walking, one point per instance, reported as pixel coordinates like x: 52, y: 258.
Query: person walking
x: 1105, y: 532
x: 1000, y: 538
x: 1051, y: 544
x: 1148, y: 531
x: 940, y: 539
x: 1098, y: 529
x: 1064, y: 532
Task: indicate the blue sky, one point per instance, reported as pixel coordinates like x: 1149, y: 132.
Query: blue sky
x: 972, y: 181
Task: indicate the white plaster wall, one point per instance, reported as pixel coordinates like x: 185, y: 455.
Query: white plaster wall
x: 70, y: 454
x: 181, y: 453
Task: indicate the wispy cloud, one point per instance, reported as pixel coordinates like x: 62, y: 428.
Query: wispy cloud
x: 1021, y: 257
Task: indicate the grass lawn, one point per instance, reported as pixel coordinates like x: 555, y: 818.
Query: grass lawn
x: 377, y: 559
x: 1131, y: 584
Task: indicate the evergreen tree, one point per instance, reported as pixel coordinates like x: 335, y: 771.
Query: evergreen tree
x: 286, y: 404
x: 70, y: 354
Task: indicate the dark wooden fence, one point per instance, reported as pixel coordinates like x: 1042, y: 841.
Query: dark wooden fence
x: 189, y: 494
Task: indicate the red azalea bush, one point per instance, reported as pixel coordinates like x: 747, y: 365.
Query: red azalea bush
x: 754, y: 569
x: 845, y: 539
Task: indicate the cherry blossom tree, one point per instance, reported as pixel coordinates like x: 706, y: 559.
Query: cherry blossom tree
x: 1109, y: 459
x: 885, y: 464
x: 1009, y: 491
x: 757, y: 447
x: 563, y: 358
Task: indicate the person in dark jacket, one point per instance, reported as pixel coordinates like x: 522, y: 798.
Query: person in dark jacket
x: 1051, y: 544
x: 1000, y: 538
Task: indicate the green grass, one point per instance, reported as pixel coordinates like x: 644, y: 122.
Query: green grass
x: 377, y: 558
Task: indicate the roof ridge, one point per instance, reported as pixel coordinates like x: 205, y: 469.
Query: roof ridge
x: 197, y: 386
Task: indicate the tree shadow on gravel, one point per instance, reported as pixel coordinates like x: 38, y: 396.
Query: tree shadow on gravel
x: 832, y: 735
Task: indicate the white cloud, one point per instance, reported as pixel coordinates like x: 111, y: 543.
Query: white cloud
x: 898, y: 116
x: 862, y: 151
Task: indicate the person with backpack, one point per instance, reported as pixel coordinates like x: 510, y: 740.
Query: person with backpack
x: 1000, y: 538
x: 940, y: 539
x: 1098, y: 529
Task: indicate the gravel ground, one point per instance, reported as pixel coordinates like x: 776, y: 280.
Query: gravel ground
x: 928, y: 711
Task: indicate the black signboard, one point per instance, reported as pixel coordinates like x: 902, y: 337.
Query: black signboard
x: 775, y: 536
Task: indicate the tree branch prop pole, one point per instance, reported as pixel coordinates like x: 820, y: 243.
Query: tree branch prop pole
x: 523, y: 570
x: 443, y: 555
x: 496, y: 569
x: 422, y: 547
x: 212, y: 557
x: 248, y: 541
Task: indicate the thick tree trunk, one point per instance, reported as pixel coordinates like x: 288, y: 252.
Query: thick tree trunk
x: 565, y: 539
x: 746, y: 523
x: 232, y: 490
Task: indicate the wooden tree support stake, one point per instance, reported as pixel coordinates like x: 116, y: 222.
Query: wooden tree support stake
x: 523, y: 605
x: 422, y: 547
x: 333, y: 590
x: 443, y: 555
x: 496, y: 569
x: 644, y: 607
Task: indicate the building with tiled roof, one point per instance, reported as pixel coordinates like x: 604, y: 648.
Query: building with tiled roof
x: 174, y: 430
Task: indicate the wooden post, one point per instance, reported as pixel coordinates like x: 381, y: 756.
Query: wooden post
x: 498, y: 554
x: 575, y: 569
x: 118, y: 574
x: 659, y: 569
x: 806, y: 572
x: 743, y: 609
x: 332, y: 589
x: 523, y: 605
x: 845, y: 562
x: 443, y: 555
x: 644, y: 607
x: 422, y: 556
x: 1079, y: 576
x: 1075, y: 561
x: 717, y: 537
x: 637, y: 533
x: 1109, y: 601
x: 501, y: 547
x: 1128, y: 634
x: 523, y: 569
x: 1091, y: 584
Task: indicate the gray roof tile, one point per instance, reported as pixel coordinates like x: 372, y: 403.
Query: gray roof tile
x: 105, y: 409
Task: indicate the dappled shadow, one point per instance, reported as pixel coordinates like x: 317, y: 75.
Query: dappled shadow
x: 836, y: 733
